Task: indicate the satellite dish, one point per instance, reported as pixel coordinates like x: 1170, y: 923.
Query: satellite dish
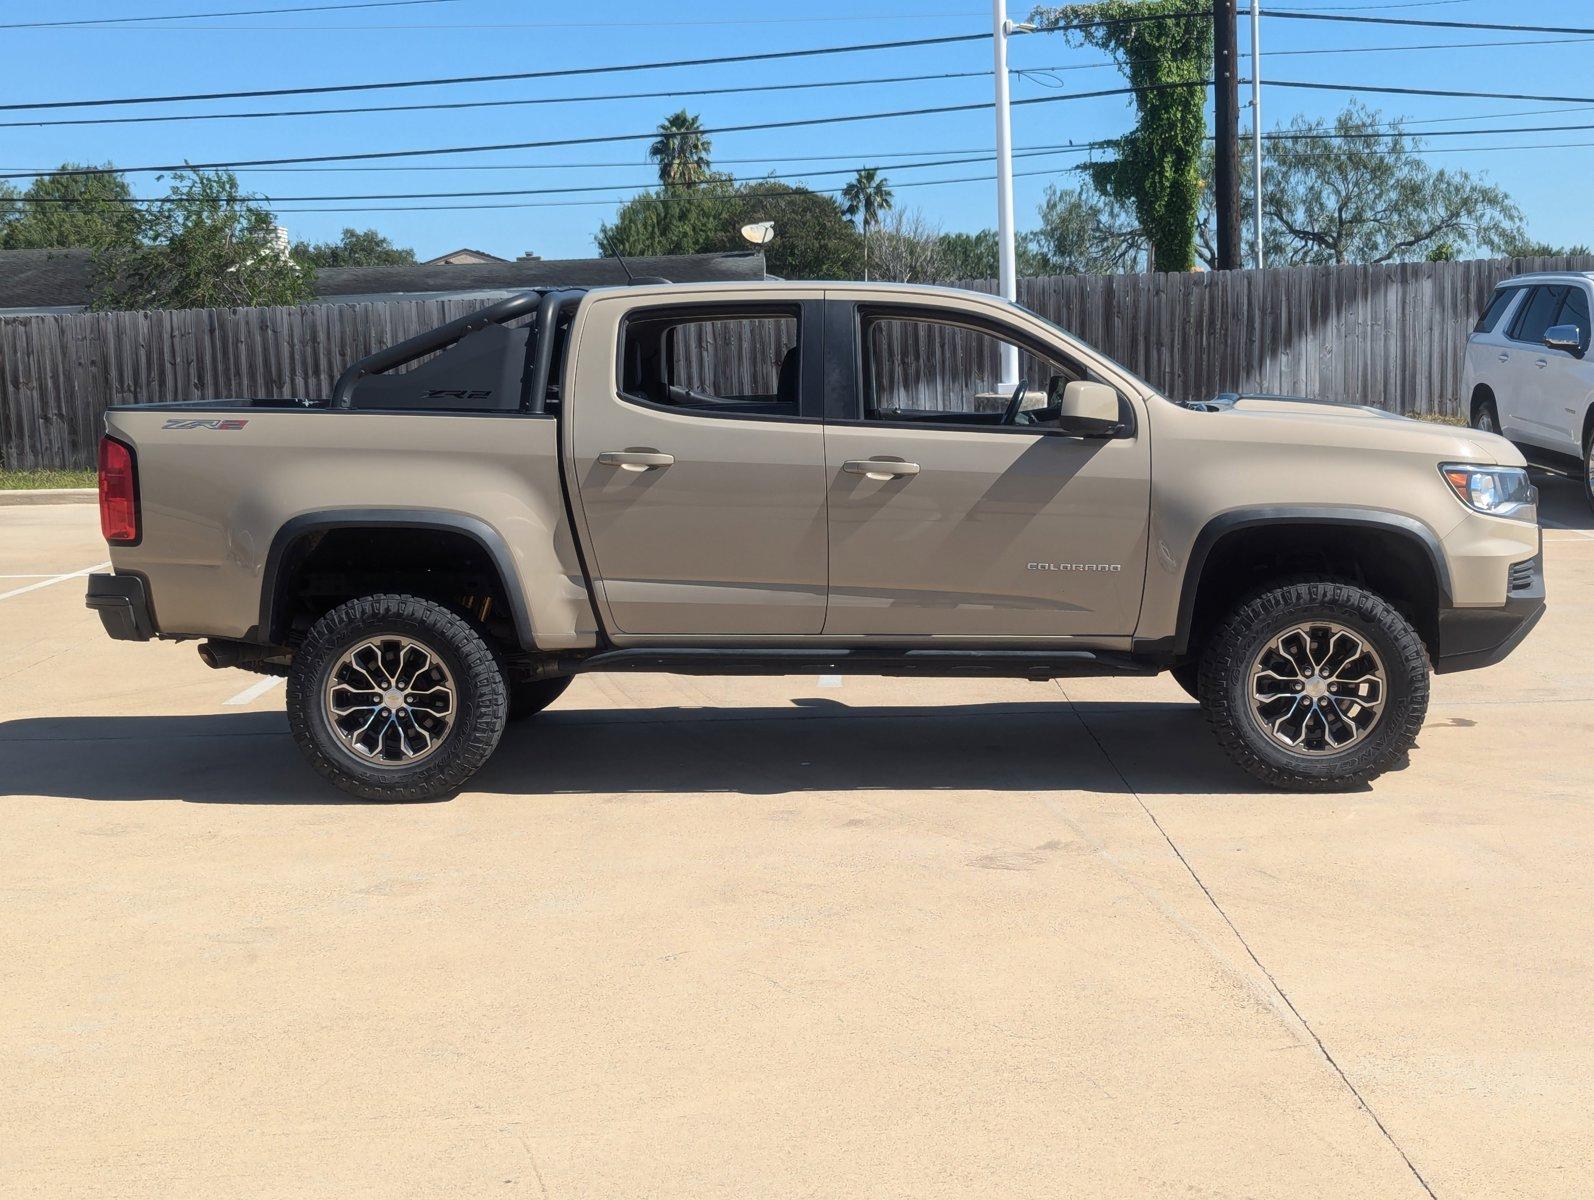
x: 760, y: 233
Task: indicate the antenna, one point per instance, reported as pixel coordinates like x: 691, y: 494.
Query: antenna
x: 624, y: 268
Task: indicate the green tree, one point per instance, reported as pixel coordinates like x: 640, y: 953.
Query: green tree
x: 63, y: 211
x: 206, y: 245
x: 1082, y: 233
x: 1157, y: 167
x: 865, y: 199
x: 968, y: 255
x: 813, y: 239
x: 681, y: 151
x: 354, y: 248
x: 672, y: 220
x: 1357, y: 190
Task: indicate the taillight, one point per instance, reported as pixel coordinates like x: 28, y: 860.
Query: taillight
x: 118, y: 492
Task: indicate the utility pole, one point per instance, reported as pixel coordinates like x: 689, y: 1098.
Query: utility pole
x: 1226, y: 115
x: 1006, y: 253
x: 1256, y: 125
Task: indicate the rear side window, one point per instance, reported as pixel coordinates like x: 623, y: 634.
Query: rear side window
x: 714, y: 362
x: 1495, y: 309
x: 1537, y: 314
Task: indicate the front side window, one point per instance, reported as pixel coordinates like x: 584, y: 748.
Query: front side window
x: 714, y: 362
x: 1495, y: 309
x: 1538, y: 314
x: 1574, y: 311
x: 921, y: 369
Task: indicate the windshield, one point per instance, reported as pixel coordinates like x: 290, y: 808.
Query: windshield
x: 1138, y: 382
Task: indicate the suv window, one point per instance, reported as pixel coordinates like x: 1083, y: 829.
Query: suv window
x: 1496, y: 307
x: 1574, y: 311
x: 1537, y: 314
x: 714, y: 361
x: 924, y: 369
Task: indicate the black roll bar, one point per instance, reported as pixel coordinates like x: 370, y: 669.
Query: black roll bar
x: 546, y: 303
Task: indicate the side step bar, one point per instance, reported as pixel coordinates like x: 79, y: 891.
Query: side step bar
x: 1003, y: 664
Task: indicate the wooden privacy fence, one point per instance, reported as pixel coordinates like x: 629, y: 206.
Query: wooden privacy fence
x: 1390, y: 336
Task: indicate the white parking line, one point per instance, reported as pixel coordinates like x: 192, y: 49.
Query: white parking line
x: 255, y: 690
x: 53, y: 579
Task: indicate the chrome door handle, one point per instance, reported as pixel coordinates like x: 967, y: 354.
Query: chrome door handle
x: 635, y: 460
x: 1502, y: 357
x: 880, y: 468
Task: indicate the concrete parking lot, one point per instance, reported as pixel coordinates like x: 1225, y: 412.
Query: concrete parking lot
x: 786, y: 937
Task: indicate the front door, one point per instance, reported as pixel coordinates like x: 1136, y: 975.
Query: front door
x: 951, y: 516
x: 700, y: 468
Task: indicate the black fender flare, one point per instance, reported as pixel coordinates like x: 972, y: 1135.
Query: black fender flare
x: 295, y: 529
x: 1406, y: 527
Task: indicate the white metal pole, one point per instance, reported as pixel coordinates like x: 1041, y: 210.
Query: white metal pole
x: 1256, y: 125
x: 1006, y: 255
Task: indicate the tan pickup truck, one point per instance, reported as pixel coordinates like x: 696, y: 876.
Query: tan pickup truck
x: 800, y: 478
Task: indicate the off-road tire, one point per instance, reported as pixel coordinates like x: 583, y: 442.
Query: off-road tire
x: 529, y: 697
x: 1235, y: 645
x: 1188, y: 676
x: 481, y: 704
x: 1486, y: 417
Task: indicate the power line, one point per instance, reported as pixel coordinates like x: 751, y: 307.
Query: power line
x: 591, y: 140
x: 457, y: 25
x: 246, y: 12
x: 447, y: 105
x: 1448, y: 93
x: 854, y: 164
x: 560, y: 73
x: 575, y: 72
x: 1290, y: 15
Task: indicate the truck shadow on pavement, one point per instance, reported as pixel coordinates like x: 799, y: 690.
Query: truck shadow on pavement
x: 811, y: 744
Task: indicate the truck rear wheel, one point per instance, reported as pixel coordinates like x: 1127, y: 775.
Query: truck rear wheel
x: 529, y: 697
x: 392, y: 697
x: 1315, y: 685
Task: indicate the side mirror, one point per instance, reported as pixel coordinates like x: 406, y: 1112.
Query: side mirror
x: 1089, y: 410
x: 1564, y: 337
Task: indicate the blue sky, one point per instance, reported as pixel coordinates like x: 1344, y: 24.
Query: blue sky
x: 487, y: 36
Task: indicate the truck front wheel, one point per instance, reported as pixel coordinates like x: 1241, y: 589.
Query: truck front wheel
x: 392, y: 697
x: 1315, y: 685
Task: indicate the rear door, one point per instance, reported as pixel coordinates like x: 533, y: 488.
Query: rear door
x: 947, y: 522
x: 698, y: 462
x: 1526, y: 396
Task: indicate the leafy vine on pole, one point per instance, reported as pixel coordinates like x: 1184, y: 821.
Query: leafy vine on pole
x: 1157, y: 167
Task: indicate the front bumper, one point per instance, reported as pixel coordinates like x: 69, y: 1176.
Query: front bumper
x: 1470, y: 638
x: 123, y: 604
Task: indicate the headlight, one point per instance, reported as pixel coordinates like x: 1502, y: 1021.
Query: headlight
x: 1498, y: 491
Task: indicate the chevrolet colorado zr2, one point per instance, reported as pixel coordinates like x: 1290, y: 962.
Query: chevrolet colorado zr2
x: 782, y: 478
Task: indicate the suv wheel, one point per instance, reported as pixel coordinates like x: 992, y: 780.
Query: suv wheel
x: 1485, y: 418
x: 529, y: 697
x: 1315, y: 685
x: 396, y: 698
x: 1588, y: 467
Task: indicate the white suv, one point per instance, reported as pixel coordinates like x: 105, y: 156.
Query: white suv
x: 1527, y: 375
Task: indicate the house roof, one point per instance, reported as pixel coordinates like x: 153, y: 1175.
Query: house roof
x: 46, y: 280
x: 481, y: 254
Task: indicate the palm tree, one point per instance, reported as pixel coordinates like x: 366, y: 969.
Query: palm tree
x: 863, y: 200
x: 681, y: 151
